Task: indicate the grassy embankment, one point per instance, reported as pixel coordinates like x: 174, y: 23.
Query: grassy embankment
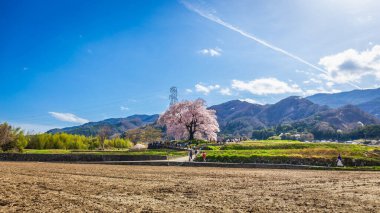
x: 160, y: 152
x: 294, y: 152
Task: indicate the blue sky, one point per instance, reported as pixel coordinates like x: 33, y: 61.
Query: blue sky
x: 64, y: 63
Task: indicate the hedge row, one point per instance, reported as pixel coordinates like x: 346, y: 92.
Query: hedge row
x: 288, y: 160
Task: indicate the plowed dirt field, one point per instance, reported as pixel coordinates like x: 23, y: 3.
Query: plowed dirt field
x: 55, y: 187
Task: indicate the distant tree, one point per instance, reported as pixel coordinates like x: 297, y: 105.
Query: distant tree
x: 118, y: 143
x: 104, y: 133
x: 372, y: 131
x: 12, y: 138
x: 263, y: 134
x: 152, y: 134
x: 191, y: 120
x: 144, y: 135
x: 6, y: 135
x: 133, y: 135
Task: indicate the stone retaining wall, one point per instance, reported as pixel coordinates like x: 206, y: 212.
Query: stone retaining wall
x: 224, y: 165
x: 76, y: 157
x: 288, y: 161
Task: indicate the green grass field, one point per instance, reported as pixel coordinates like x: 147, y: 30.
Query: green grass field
x: 294, y: 152
x: 160, y: 152
x: 265, y: 151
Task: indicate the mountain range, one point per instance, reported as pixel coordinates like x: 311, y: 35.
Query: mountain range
x: 345, y: 111
x: 117, y: 125
x: 241, y: 118
x: 367, y: 100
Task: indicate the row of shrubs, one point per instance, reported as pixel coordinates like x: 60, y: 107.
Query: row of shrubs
x: 68, y: 141
x: 323, y: 154
x: 288, y: 160
x: 266, y: 146
x: 290, y: 145
x: 15, y: 139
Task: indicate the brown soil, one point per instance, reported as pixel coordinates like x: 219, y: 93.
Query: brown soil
x: 53, y: 187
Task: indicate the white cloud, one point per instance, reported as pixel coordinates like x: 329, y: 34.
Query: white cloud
x: 124, y: 108
x: 68, y: 117
x: 312, y: 80
x: 352, y: 65
x: 225, y: 91
x: 330, y: 84
x: 319, y: 90
x: 265, y: 86
x: 189, y: 90
x: 206, y: 89
x: 250, y: 100
x: 33, y: 128
x: 211, y: 52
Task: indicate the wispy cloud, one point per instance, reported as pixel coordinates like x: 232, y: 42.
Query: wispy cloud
x: 225, y: 91
x: 211, y: 52
x: 68, y: 117
x: 124, y: 108
x: 217, y: 20
x: 33, y: 128
x: 330, y: 84
x: 206, y: 89
x: 189, y: 91
x: 312, y: 80
x: 265, y: 86
x: 319, y: 90
x: 250, y: 100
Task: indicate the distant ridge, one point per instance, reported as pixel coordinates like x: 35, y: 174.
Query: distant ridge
x: 117, y: 125
x: 372, y: 107
x: 344, y: 111
x: 241, y: 118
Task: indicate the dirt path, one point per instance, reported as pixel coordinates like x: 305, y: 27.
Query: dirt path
x: 54, y: 187
x: 180, y: 159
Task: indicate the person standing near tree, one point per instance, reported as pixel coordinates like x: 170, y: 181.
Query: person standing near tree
x: 339, y: 161
x: 204, y: 156
x: 190, y: 154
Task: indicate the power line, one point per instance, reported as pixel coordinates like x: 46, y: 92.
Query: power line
x: 173, y: 96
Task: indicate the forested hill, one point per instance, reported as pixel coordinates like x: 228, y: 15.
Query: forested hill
x: 242, y: 118
x: 368, y: 100
x: 117, y: 125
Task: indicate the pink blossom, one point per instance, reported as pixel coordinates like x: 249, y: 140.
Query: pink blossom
x: 191, y: 120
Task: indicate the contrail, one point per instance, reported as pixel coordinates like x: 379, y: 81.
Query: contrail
x: 217, y: 20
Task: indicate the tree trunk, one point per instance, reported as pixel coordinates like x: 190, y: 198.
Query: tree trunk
x: 191, y: 136
x: 191, y: 130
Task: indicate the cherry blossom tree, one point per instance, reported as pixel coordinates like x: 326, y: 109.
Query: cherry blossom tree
x: 191, y: 120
